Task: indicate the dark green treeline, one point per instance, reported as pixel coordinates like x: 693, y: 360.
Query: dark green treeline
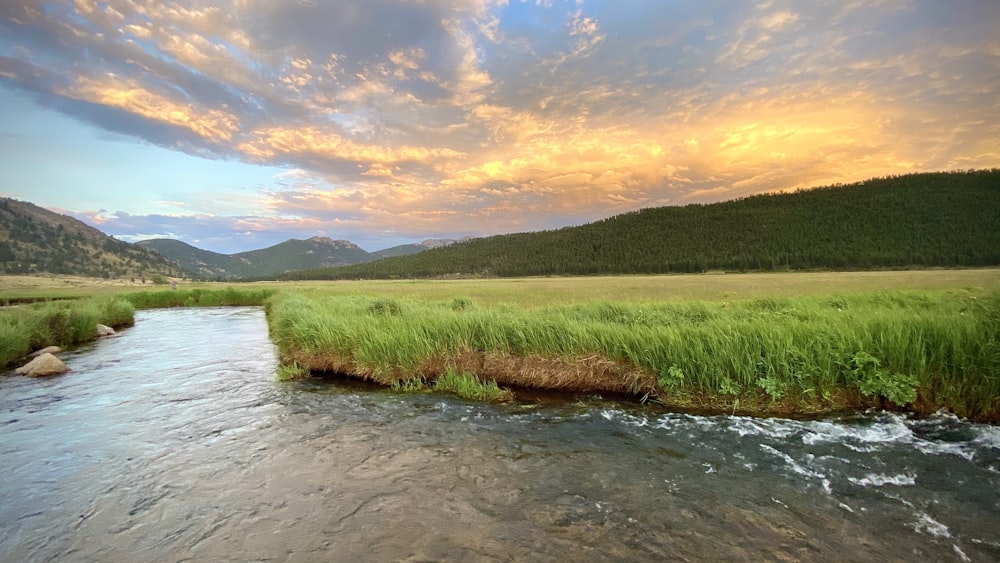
x: 949, y: 219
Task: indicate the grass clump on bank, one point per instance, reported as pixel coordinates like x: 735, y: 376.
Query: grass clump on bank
x: 922, y: 350
x: 291, y: 372
x: 62, y: 323
x: 468, y: 386
x: 229, y: 296
x: 465, y: 384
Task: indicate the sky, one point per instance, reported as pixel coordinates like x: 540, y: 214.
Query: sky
x: 235, y: 125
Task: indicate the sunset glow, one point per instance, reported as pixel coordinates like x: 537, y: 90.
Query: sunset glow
x: 236, y: 125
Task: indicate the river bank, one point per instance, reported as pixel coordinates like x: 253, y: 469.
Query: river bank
x: 747, y: 351
x: 917, y: 351
x: 30, y: 327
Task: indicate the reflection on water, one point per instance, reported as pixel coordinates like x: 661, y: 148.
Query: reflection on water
x: 174, y: 442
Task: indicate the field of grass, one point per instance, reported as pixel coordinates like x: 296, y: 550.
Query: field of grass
x: 919, y: 349
x: 530, y: 292
x: 777, y: 343
x: 545, y: 291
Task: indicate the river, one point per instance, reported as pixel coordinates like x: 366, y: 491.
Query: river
x: 174, y: 442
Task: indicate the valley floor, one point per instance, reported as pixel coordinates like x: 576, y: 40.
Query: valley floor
x: 763, y: 343
x: 550, y: 290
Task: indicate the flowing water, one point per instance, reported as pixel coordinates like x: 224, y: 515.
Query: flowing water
x: 174, y: 442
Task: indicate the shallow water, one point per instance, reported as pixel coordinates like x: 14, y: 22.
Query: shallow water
x: 173, y: 442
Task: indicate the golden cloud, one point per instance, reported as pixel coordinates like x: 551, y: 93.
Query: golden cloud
x: 278, y: 142
x: 130, y: 96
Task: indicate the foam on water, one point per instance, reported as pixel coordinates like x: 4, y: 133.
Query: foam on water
x: 928, y: 525
x: 877, y: 480
x: 799, y: 468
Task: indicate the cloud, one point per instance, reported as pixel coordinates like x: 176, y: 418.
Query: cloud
x: 415, y: 119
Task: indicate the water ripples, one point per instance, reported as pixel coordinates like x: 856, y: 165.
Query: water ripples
x: 174, y: 442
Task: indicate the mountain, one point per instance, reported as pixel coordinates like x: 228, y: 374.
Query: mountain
x: 36, y: 240
x: 401, y: 250
x: 407, y: 249
x: 293, y: 254
x: 945, y: 219
x: 200, y: 263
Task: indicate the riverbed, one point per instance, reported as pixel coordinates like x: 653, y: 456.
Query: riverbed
x: 174, y: 442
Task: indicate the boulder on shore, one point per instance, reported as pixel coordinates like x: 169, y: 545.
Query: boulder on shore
x: 46, y: 350
x: 45, y: 364
x: 105, y: 330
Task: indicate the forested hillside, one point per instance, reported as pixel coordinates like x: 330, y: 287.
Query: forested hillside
x: 35, y: 240
x: 293, y: 254
x: 921, y: 220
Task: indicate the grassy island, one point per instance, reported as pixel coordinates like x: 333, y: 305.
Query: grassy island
x: 920, y: 350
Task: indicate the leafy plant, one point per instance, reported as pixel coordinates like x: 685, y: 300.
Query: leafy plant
x: 671, y: 378
x: 898, y: 388
x: 729, y: 387
x: 772, y: 386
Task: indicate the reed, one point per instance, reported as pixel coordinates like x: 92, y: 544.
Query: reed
x: 468, y: 386
x: 924, y: 350
x: 60, y: 323
x: 198, y: 297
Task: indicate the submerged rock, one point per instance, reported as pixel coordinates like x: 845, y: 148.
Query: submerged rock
x: 45, y: 364
x: 105, y: 330
x: 46, y: 350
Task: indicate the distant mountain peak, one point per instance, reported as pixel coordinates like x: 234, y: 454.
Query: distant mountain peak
x: 334, y: 243
x: 439, y: 242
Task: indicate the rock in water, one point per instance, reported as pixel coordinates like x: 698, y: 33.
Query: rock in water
x: 45, y: 364
x: 105, y: 330
x: 46, y: 350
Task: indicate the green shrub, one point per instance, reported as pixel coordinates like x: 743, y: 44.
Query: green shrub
x: 898, y: 388
x: 671, y: 378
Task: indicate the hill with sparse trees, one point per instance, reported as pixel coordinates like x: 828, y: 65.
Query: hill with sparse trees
x: 34, y: 240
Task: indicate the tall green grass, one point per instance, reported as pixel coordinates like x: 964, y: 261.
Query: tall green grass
x: 198, y: 297
x: 468, y: 386
x: 62, y: 323
x: 922, y: 349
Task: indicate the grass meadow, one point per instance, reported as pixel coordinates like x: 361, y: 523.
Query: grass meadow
x: 776, y: 343
x: 919, y: 349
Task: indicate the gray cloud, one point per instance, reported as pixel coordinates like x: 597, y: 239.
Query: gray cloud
x: 473, y: 115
